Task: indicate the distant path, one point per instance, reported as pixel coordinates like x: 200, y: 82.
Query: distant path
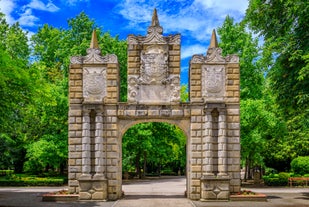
x: 165, y: 192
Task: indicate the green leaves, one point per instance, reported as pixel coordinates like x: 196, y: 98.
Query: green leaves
x: 156, y: 145
x: 236, y: 40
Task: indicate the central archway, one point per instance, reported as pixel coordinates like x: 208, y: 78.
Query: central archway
x: 182, y: 125
x: 153, y: 150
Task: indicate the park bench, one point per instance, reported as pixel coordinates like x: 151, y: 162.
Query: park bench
x: 298, y: 180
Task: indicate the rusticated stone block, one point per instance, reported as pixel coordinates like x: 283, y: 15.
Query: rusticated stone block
x: 154, y: 95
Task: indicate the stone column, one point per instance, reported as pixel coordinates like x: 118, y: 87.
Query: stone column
x: 222, y: 144
x: 209, y: 145
x: 86, y: 142
x: 99, y: 156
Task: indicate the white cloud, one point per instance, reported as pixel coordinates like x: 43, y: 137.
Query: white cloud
x: 7, y: 7
x: 74, y: 2
x: 193, y: 19
x: 39, y: 5
x: 28, y: 19
x: 222, y: 6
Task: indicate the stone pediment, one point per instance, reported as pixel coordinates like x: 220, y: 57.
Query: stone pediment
x: 154, y: 81
x: 154, y: 35
x: 94, y: 57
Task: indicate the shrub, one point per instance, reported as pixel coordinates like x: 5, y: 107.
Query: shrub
x: 6, y: 172
x: 300, y: 165
x: 23, y: 180
x: 280, y: 179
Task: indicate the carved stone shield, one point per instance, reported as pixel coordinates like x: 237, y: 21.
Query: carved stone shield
x: 94, y: 86
x: 214, y: 81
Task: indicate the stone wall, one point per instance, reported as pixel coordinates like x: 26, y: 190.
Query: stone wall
x: 210, y: 120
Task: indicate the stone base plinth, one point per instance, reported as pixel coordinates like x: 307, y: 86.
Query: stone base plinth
x: 92, y: 188
x: 214, y: 188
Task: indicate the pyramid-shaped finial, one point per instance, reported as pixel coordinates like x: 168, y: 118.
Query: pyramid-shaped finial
x: 94, y: 40
x: 213, y: 41
x: 155, y: 20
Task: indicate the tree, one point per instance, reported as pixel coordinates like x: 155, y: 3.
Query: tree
x: 284, y: 26
x: 153, y: 145
x: 16, y: 90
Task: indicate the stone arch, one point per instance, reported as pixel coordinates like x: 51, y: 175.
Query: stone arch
x: 97, y: 120
x: 124, y: 125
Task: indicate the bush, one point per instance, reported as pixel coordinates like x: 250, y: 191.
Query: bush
x: 25, y: 180
x: 6, y: 172
x: 300, y: 165
x: 280, y: 179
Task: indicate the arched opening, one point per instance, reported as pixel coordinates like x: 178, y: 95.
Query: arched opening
x: 152, y: 153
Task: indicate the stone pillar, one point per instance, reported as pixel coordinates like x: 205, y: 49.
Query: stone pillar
x: 208, y: 159
x: 99, y: 146
x: 222, y: 144
x: 86, y: 154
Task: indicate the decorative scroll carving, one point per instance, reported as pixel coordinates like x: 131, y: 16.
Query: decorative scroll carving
x: 76, y: 60
x: 175, y: 88
x: 94, y: 84
x: 94, y: 56
x: 154, y: 67
x: 198, y: 59
x: 132, y: 88
x: 214, y: 55
x: 232, y: 59
x: 213, y: 81
x: 154, y: 35
x: 174, y: 39
x: 132, y: 40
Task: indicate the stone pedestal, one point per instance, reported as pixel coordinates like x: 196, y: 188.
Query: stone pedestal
x: 94, y: 188
x: 215, y: 188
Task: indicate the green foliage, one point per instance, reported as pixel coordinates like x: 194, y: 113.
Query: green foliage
x: 300, y: 165
x: 18, y: 180
x: 280, y: 179
x: 284, y: 26
x: 6, y: 172
x: 184, y: 95
x: 16, y: 91
x: 235, y: 39
x: 152, y: 147
x: 34, y: 91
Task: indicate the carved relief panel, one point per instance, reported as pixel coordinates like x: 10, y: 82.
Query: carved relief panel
x: 213, y: 82
x: 94, y: 84
x: 154, y: 84
x: 154, y: 65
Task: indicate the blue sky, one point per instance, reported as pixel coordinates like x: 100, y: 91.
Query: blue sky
x: 193, y: 19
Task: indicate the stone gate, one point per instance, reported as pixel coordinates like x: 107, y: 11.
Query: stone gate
x: 210, y: 120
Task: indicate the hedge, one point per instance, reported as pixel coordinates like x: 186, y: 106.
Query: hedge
x: 280, y: 179
x: 6, y: 172
x: 54, y: 182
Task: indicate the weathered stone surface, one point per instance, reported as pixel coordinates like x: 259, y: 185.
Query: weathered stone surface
x: 210, y: 120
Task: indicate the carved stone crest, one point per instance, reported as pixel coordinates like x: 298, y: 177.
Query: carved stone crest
x: 214, y: 81
x: 154, y: 64
x: 94, y: 84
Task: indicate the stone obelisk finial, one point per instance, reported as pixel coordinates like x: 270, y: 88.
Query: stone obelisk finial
x: 155, y: 20
x: 94, y: 40
x: 213, y: 41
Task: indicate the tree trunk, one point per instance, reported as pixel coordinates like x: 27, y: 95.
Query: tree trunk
x: 145, y: 164
x: 137, y: 166
x: 246, y: 170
